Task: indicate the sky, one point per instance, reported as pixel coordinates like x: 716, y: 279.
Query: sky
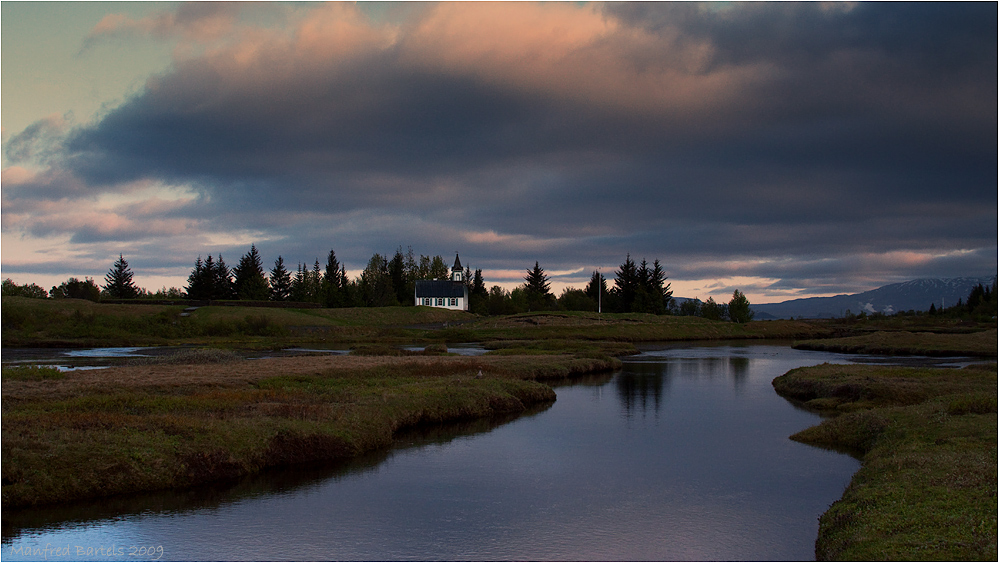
x: 785, y: 149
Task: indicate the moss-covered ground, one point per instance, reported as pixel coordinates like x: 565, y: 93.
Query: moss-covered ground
x: 927, y: 438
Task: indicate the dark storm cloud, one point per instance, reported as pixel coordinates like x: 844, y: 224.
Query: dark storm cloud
x: 778, y: 132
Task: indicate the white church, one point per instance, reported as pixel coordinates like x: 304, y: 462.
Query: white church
x: 446, y: 294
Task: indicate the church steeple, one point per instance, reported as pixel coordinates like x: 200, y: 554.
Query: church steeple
x: 457, y: 273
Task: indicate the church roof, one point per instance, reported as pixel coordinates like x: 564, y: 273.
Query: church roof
x: 439, y: 288
x: 457, y: 263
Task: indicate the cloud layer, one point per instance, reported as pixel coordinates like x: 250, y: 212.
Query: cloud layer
x: 812, y: 148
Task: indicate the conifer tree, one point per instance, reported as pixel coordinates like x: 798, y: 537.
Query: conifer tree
x: 596, y: 290
x: 538, y: 290
x: 316, y: 283
x: 197, y: 286
x: 299, y: 284
x: 280, y: 281
x: 400, y: 283
x: 478, y: 295
x: 333, y: 294
x: 250, y: 283
x: 222, y: 284
x: 626, y: 284
x: 660, y: 289
x: 118, y: 281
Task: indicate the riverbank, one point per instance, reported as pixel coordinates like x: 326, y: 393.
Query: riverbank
x: 89, y: 434
x: 980, y: 344
x: 927, y: 442
x: 77, y: 323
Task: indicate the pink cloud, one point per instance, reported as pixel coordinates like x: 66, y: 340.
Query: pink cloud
x: 200, y: 22
x: 577, y: 53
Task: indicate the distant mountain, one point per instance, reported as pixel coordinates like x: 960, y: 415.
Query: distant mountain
x: 915, y: 295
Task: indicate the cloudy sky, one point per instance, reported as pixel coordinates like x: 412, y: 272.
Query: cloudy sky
x: 789, y: 150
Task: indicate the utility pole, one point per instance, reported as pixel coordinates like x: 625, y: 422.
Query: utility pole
x: 600, y: 291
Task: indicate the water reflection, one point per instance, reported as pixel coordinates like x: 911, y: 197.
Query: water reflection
x: 641, y: 388
x: 644, y: 383
x: 277, y: 481
x: 683, y: 455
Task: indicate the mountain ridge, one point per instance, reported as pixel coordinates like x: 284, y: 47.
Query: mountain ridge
x: 915, y: 295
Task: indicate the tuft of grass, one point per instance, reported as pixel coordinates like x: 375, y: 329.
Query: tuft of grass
x: 32, y: 373
x: 193, y: 356
x: 927, y: 441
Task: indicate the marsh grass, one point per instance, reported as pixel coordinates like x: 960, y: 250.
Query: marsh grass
x: 32, y: 373
x: 981, y: 343
x: 630, y: 327
x: 192, y: 356
x: 143, y: 427
x: 927, y: 440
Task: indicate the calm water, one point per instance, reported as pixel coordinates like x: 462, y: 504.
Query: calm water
x: 683, y: 455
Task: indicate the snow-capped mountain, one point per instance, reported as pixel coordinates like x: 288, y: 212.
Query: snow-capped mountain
x: 915, y: 295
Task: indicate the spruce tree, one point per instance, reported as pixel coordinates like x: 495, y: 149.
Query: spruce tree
x: 661, y: 289
x: 250, y: 283
x: 221, y: 276
x: 538, y: 290
x: 299, y: 284
x: 400, y: 283
x: 626, y: 284
x: 596, y: 289
x: 478, y: 295
x: 196, y: 282
x: 280, y: 281
x: 316, y: 284
x: 118, y: 281
x: 332, y: 285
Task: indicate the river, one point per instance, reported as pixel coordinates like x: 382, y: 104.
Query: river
x: 682, y: 455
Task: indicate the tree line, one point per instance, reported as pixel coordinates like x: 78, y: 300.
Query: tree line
x: 638, y: 287
x: 384, y: 281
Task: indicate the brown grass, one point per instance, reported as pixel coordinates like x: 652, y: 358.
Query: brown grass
x: 144, y: 427
x: 979, y: 344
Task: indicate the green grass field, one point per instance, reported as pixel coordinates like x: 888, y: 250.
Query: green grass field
x: 927, y: 440
x: 981, y: 343
x: 79, y: 323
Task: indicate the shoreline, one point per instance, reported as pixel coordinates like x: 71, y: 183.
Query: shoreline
x: 143, y: 428
x: 926, y: 440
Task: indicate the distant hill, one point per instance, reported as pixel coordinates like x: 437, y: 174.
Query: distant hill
x: 911, y: 295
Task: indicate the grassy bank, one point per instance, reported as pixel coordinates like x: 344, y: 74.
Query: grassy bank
x: 89, y: 434
x: 625, y: 327
x: 979, y: 344
x: 927, y: 442
x: 79, y: 323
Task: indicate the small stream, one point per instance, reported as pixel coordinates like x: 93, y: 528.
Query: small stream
x: 68, y: 359
x: 682, y: 455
